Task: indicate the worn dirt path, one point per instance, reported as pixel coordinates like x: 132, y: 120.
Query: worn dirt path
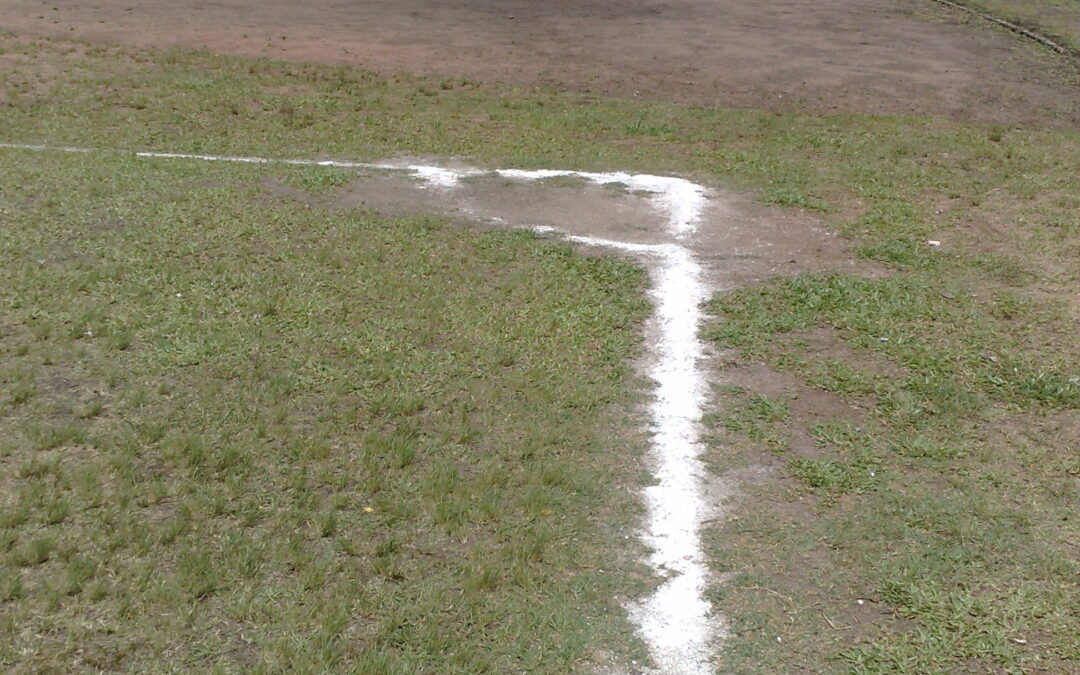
x: 888, y: 56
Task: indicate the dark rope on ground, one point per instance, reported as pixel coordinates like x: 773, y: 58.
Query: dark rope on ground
x: 1030, y: 34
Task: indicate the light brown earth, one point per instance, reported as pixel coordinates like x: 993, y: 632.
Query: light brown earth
x: 878, y: 56
x: 737, y: 241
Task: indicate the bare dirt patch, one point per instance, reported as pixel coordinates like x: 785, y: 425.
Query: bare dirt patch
x: 826, y: 342
x: 737, y: 239
x: 808, y: 405
x: 568, y: 205
x: 745, y: 241
x: 872, y: 56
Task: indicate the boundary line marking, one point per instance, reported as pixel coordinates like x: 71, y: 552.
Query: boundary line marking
x: 676, y: 621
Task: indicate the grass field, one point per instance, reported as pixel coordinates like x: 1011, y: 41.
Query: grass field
x: 194, y: 445
x: 245, y: 433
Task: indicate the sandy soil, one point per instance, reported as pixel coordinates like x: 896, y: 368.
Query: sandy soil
x: 905, y: 56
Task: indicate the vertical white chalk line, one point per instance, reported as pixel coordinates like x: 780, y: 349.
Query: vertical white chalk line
x: 676, y: 621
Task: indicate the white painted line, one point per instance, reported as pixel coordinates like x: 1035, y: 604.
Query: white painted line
x: 681, y: 198
x: 676, y: 621
x: 45, y: 148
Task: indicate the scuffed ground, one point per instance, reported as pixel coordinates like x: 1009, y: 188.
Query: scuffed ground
x: 876, y: 56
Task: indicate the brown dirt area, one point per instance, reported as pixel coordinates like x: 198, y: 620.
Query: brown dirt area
x: 876, y: 56
x: 738, y: 241
x: 808, y: 406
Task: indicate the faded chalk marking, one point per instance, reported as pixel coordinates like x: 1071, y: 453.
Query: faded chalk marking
x: 432, y: 174
x: 676, y: 621
x: 46, y: 148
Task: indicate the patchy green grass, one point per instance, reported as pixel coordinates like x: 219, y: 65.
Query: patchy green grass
x: 245, y: 434
x: 946, y: 504
x: 936, y: 531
